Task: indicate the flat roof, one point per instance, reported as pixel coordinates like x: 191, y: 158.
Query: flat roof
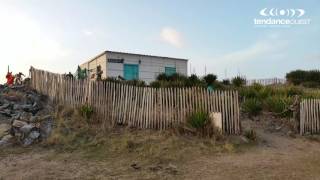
x: 118, y: 52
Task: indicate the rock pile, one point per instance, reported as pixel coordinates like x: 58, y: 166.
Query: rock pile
x: 24, y: 116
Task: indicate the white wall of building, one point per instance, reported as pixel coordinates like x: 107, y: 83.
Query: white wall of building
x: 149, y: 67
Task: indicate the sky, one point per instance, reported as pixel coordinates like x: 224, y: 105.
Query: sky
x: 216, y: 36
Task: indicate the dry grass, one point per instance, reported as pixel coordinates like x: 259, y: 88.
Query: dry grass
x: 73, y: 133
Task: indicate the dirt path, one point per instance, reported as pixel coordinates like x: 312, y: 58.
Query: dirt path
x: 276, y: 156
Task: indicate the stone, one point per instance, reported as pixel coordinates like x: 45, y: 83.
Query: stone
x: 34, y: 119
x: 172, y: 169
x: 25, y: 116
x: 12, y: 98
x: 4, y: 129
x: 18, y: 124
x: 135, y: 166
x: 34, y: 135
x: 6, y: 140
x: 6, y: 112
x: 5, y: 106
x: 27, y: 128
x: 244, y: 139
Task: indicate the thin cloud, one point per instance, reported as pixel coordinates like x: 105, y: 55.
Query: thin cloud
x: 258, y: 50
x: 172, y: 37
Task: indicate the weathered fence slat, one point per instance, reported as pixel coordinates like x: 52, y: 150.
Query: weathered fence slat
x: 310, y: 116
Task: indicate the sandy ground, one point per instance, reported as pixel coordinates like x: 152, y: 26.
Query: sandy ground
x: 276, y: 156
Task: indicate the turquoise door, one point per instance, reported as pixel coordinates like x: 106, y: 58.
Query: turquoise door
x: 131, y: 71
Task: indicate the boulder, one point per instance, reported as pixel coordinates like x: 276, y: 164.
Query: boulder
x: 34, y: 135
x: 18, y: 124
x: 27, y: 128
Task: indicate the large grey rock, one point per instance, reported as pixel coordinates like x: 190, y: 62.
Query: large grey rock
x: 18, y: 124
x: 34, y: 135
x: 25, y: 116
x: 27, y: 128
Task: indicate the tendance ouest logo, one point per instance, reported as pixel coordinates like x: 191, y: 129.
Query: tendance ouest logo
x: 275, y: 17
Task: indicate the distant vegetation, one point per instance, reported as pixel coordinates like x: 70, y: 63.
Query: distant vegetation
x: 309, y: 79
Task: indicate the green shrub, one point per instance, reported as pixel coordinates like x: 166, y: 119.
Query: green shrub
x: 136, y: 82
x: 226, y: 82
x: 252, y: 106
x: 293, y: 90
x: 198, y: 119
x: 210, y: 78
x: 194, y: 80
x: 310, y: 84
x: 264, y: 93
x: 248, y: 92
x: 162, y: 77
x: 155, y: 84
x: 111, y: 79
x: 257, y: 86
x: 238, y: 81
x: 279, y: 105
x: 255, y: 91
x: 86, y: 111
x: 300, y: 77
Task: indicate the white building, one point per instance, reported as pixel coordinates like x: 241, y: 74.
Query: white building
x: 134, y: 66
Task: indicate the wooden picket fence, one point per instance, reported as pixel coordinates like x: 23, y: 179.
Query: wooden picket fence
x: 141, y: 107
x: 310, y: 116
x: 265, y: 82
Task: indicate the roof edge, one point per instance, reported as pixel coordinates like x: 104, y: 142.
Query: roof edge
x: 107, y: 51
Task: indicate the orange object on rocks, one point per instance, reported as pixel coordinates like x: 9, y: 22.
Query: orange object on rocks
x: 10, y: 78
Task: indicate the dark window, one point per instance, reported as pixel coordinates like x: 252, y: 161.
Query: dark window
x: 115, y: 60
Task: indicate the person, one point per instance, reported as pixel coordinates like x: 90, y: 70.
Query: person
x: 10, y: 79
x: 69, y: 75
x: 99, y: 73
x: 18, y: 78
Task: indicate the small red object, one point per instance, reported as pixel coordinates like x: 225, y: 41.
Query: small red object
x: 10, y: 78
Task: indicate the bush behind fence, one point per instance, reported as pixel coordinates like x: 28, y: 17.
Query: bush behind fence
x: 141, y: 107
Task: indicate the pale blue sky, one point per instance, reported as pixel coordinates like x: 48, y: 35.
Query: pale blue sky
x: 58, y: 35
